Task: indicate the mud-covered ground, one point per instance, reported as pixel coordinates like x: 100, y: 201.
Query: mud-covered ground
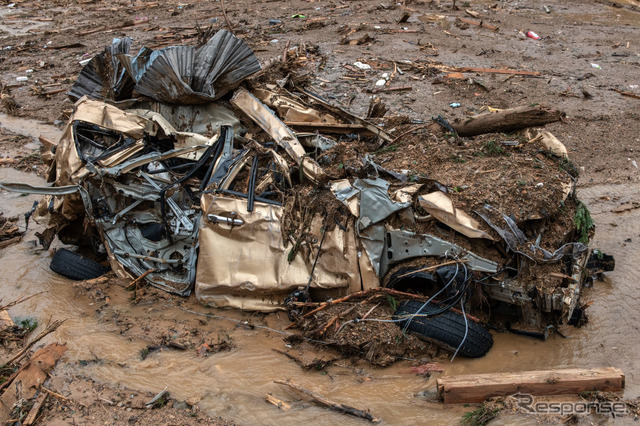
x: 588, y: 54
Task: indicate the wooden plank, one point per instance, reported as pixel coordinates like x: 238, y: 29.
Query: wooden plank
x: 31, y: 377
x: 35, y: 409
x: 474, y: 388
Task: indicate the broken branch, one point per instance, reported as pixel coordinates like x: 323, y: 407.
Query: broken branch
x: 341, y: 408
x: 224, y: 13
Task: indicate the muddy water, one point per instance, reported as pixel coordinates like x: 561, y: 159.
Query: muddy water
x: 30, y: 128
x: 13, y: 23
x: 233, y: 384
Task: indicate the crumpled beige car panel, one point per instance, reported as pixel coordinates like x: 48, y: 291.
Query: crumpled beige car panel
x: 281, y: 134
x: 247, y: 266
x: 440, y: 206
x: 291, y: 110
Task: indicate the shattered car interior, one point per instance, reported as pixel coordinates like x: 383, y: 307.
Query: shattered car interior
x: 210, y: 174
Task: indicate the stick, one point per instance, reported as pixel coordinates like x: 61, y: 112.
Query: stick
x: 224, y: 13
x: 369, y: 311
x: 341, y: 408
x: 291, y: 357
x: 49, y: 329
x: 58, y: 396
x: 19, y: 300
x: 335, y: 318
x: 284, y: 53
x: 137, y: 280
x: 431, y: 268
x: 277, y: 402
x: 630, y: 94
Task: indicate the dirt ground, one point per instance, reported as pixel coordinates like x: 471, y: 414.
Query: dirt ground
x: 588, y: 60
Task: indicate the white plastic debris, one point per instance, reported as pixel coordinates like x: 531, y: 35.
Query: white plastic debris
x: 381, y: 82
x: 377, y: 27
x: 539, y: 185
x: 22, y: 78
x: 84, y: 61
x: 274, y: 41
x: 29, y: 71
x: 362, y: 66
x: 635, y: 164
x: 596, y: 66
x: 385, y: 76
x: 454, y: 104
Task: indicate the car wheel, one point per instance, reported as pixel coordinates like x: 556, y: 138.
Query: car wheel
x: 75, y: 266
x: 446, y: 330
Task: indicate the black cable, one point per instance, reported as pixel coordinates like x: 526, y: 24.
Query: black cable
x: 251, y: 191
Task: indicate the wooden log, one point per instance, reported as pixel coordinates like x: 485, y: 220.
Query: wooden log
x: 335, y: 406
x: 507, y: 120
x: 474, y: 388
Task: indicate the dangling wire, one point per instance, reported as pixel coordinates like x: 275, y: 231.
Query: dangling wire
x: 466, y: 329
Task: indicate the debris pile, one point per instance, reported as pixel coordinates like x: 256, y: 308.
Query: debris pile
x: 10, y: 233
x: 252, y: 190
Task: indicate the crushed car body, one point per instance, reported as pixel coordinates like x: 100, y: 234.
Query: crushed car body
x: 173, y: 170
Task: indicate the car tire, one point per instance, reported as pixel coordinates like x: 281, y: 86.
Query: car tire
x: 446, y: 330
x: 75, y: 266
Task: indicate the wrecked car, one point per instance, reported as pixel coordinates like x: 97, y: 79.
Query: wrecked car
x: 181, y: 169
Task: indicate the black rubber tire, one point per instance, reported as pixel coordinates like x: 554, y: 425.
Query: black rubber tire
x: 75, y: 266
x: 446, y: 329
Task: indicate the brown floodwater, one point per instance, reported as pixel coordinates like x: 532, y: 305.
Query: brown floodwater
x: 233, y: 384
